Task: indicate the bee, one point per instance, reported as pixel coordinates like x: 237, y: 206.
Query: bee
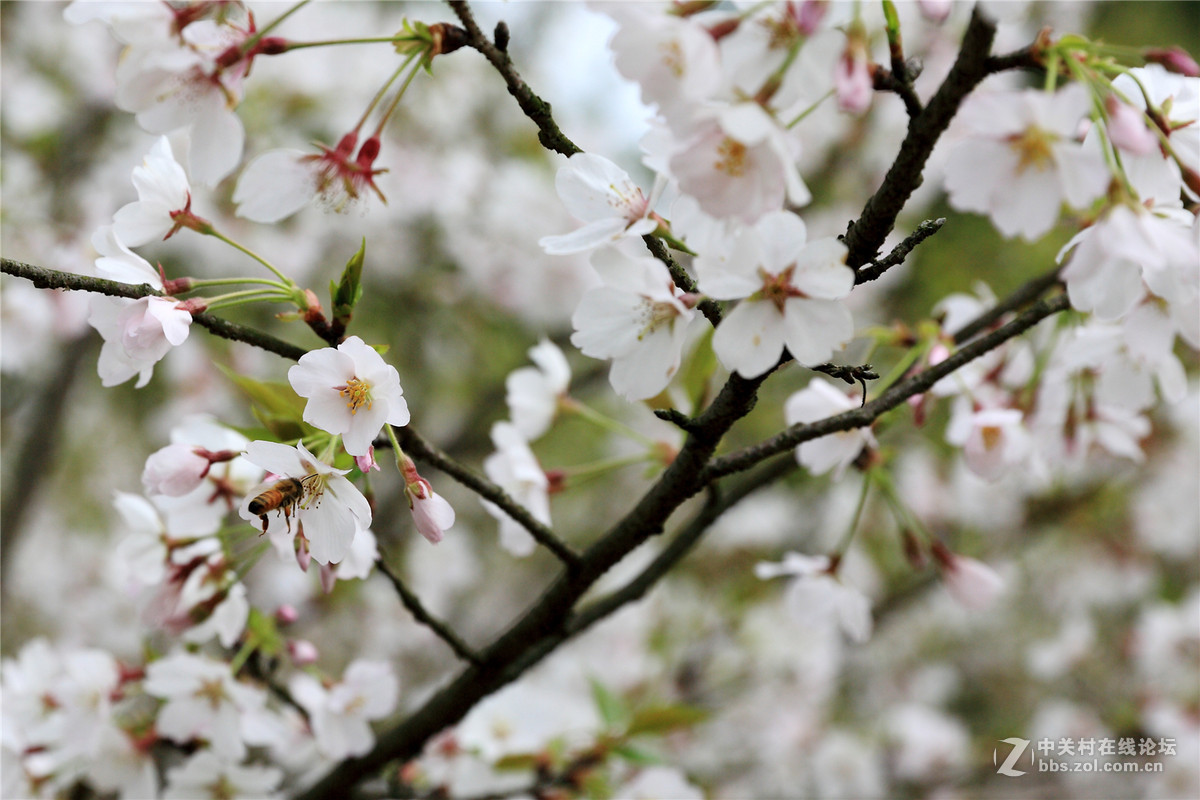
x: 287, y: 495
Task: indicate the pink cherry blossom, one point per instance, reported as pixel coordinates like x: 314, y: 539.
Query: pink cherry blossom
x: 137, y: 334
x: 164, y: 199
x: 972, y: 583
x: 533, y: 393
x: 818, y: 597
x: 514, y: 468
x: 339, y: 715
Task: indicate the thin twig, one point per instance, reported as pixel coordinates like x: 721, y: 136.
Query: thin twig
x: 420, y: 448
x: 417, y: 609
x: 887, y: 81
x: 537, y: 109
x: 1026, y: 293
x: 44, y: 278
x: 874, y: 269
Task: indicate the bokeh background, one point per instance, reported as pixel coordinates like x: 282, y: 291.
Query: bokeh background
x: 1096, y: 635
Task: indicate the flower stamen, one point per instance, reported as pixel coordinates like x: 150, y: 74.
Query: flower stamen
x: 358, y: 394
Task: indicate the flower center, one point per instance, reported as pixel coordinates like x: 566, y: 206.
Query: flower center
x: 357, y: 393
x: 991, y: 437
x: 213, y: 691
x: 1033, y: 148
x: 732, y: 158
x: 778, y: 288
x: 672, y: 57
x: 655, y: 314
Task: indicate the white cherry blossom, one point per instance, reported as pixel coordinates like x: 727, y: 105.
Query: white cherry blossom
x: 818, y: 597
x: 791, y: 288
x: 533, y: 392
x: 351, y: 391
x: 209, y: 776
x: 638, y: 319
x: 515, y: 469
x: 604, y: 197
x: 117, y: 262
x: 137, y: 334
x: 1019, y: 161
x: 340, y: 714
x: 203, y: 701
x: 163, y: 192
x: 837, y: 451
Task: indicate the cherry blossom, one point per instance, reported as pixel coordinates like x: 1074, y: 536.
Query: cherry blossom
x: 330, y: 510
x: 791, y: 287
x: 351, y: 391
x: 818, y: 597
x: 603, y: 196
x: 137, y: 334
x: 737, y: 162
x: 533, y: 392
x: 279, y: 183
x: 339, y: 714
x: 837, y: 451
x: 117, y: 262
x: 638, y: 318
x: 1130, y: 244
x: 993, y: 439
x: 209, y: 776
x: 972, y: 583
x: 515, y: 469
x: 432, y: 514
x: 202, y: 701
x: 1019, y: 160
x: 164, y: 199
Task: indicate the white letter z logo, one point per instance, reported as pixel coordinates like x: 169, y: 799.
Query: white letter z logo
x: 1006, y: 768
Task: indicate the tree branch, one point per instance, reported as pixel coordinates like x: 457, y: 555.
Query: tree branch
x: 417, y: 609
x: 537, y: 109
x: 418, y: 447
x: 865, y: 236
x: 1027, y: 293
x: 874, y: 269
x: 44, y: 278
x: 892, y: 397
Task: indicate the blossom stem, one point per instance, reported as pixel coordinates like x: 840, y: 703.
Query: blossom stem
x: 286, y: 280
x: 242, y: 656
x: 273, y: 24
x: 201, y: 282
x: 848, y: 536
x: 914, y: 353
x: 382, y: 91
x: 399, y: 92
x: 402, y: 459
x: 905, y: 518
x: 332, y: 42
x: 810, y: 109
x: 570, y: 404
x: 607, y: 465
x: 244, y: 297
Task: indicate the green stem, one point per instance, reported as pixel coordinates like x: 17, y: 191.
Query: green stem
x: 910, y: 358
x: 239, y: 660
x: 809, y: 110
x: 588, y: 413
x: 382, y: 91
x: 607, y: 465
x: 848, y: 536
x: 401, y: 459
x: 399, y: 92
x: 287, y: 281
x: 197, y: 283
x: 331, y: 42
x: 270, y: 26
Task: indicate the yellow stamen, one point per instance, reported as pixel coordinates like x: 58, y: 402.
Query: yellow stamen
x: 732, y: 157
x: 1033, y: 147
x: 358, y: 394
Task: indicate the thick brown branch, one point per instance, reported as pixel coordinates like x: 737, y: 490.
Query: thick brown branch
x: 866, y: 235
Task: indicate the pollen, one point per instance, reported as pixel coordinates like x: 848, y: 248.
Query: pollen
x: 732, y: 159
x: 357, y: 393
x: 991, y: 437
x: 1033, y: 149
x: 672, y: 57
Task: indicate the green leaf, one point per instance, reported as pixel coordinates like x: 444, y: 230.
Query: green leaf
x: 612, y: 709
x: 662, y: 719
x: 347, y: 292
x: 596, y: 786
x: 277, y: 401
